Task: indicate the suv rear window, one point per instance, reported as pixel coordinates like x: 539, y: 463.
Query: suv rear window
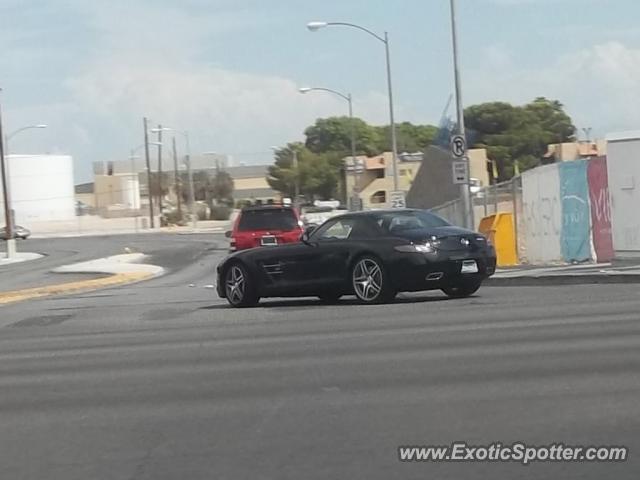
x: 268, y: 219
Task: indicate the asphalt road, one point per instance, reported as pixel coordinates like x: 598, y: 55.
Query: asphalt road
x: 168, y: 250
x: 160, y: 380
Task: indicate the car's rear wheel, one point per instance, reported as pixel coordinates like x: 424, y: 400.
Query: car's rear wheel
x: 370, y: 281
x: 240, y: 289
x: 462, y: 289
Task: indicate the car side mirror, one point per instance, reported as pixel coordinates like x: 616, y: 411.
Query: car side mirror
x: 227, y: 234
x: 304, y: 238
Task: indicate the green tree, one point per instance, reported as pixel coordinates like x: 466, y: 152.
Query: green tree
x: 333, y: 134
x: 518, y: 133
x: 317, y: 174
x: 410, y: 138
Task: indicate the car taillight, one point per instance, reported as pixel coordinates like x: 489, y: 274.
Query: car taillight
x: 232, y: 244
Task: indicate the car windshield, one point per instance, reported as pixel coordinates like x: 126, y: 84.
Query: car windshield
x: 267, y: 219
x: 394, y: 222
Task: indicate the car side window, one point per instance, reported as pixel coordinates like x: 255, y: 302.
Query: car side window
x: 337, y: 230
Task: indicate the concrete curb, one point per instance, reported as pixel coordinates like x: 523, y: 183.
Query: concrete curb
x: 578, y: 279
x: 122, y: 270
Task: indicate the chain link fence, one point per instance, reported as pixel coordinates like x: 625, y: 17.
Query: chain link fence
x: 504, y: 197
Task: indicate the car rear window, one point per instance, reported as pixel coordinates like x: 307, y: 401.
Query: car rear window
x: 394, y: 222
x: 268, y: 219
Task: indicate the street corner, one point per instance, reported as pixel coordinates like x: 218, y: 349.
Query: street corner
x: 18, y: 257
x: 121, y: 269
x: 580, y: 274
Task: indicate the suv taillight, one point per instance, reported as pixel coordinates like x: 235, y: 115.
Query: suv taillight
x: 232, y: 244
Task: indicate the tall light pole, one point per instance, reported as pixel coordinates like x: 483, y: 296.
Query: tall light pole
x: 4, y: 161
x: 145, y: 122
x: 132, y: 158
x: 296, y: 176
x: 352, y: 125
x: 177, y: 184
x: 11, y: 242
x: 15, y: 132
x: 192, y: 199
x: 315, y: 26
x: 464, y: 188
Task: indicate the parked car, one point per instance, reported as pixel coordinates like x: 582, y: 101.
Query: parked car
x: 265, y: 226
x: 372, y: 255
x: 318, y: 215
x: 18, y: 232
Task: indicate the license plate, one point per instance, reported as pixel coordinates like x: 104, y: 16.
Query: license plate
x: 469, y: 266
x: 268, y: 241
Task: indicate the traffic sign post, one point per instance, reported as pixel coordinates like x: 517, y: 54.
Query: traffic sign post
x: 397, y: 199
x: 458, y: 146
x: 460, y: 171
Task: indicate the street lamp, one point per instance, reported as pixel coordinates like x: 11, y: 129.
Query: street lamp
x: 349, y: 100
x: 315, y: 26
x: 132, y: 157
x: 465, y: 187
x: 15, y: 132
x: 8, y: 214
x: 159, y: 131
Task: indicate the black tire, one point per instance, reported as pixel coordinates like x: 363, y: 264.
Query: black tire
x: 330, y: 297
x: 240, y: 288
x: 370, y: 282
x: 462, y: 289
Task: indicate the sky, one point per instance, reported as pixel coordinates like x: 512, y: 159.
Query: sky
x: 228, y: 71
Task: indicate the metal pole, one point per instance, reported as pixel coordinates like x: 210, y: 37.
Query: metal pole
x: 160, y: 172
x: 177, y: 186
x: 134, y: 176
x: 394, y: 141
x: 296, y: 181
x: 11, y: 242
x: 514, y: 194
x: 148, y: 165
x: 192, y: 198
x: 464, y: 188
x: 356, y: 176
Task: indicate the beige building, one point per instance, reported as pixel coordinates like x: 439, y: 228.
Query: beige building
x: 119, y: 192
x: 250, y: 183
x: 375, y: 182
x: 563, y: 152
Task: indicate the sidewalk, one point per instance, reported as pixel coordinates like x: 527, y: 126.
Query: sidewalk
x: 616, y: 272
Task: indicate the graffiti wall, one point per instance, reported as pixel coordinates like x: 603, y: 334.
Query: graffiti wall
x: 600, y: 209
x: 542, y: 212
x: 575, y: 236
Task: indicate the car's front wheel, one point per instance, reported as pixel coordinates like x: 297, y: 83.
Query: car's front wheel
x: 240, y: 289
x: 462, y: 289
x: 370, y: 281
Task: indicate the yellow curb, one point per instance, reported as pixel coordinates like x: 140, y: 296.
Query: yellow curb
x: 72, y: 287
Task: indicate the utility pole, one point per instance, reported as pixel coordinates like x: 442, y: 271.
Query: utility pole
x: 177, y: 184
x: 148, y: 165
x: 296, y: 179
x: 464, y: 188
x: 160, y: 172
x: 8, y: 217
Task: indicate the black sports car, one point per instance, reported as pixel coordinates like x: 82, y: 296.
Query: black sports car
x: 372, y: 254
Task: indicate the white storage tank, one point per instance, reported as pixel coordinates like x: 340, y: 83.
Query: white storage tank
x: 41, y: 188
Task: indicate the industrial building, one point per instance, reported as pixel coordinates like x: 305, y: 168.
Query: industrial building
x: 41, y: 188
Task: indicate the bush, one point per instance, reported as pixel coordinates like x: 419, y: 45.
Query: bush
x: 220, y: 212
x: 174, y: 218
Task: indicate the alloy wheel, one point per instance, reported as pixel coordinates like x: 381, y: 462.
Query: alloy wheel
x: 367, y: 279
x: 235, y: 285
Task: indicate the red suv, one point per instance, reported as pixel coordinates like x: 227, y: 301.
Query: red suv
x: 265, y: 226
